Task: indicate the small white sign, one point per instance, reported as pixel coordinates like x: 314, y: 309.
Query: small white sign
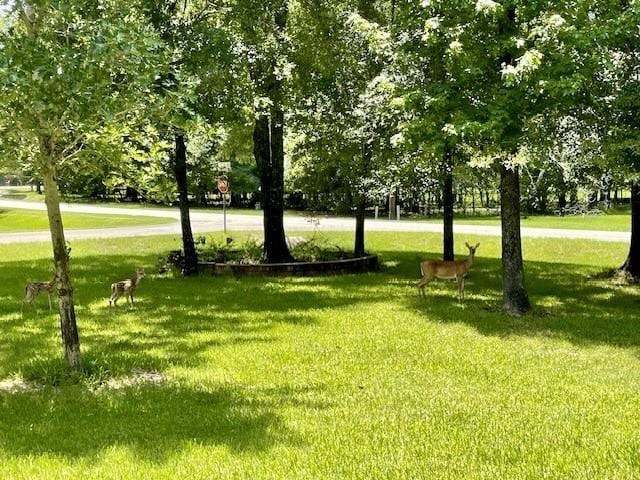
x: 224, y: 166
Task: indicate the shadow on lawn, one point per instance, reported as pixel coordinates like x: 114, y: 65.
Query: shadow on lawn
x: 178, y: 321
x: 153, y: 423
x: 175, y: 321
x: 568, y: 303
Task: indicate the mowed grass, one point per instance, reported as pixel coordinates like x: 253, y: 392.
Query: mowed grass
x: 617, y: 220
x: 18, y: 220
x: 333, y: 377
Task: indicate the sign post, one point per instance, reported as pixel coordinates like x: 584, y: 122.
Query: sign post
x: 223, y: 188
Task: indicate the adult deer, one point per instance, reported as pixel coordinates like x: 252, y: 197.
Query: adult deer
x: 33, y: 289
x: 446, y: 270
x: 126, y: 287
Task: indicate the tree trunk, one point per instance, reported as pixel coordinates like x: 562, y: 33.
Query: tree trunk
x: 361, y: 202
x: 515, y: 296
x: 68, y: 325
x: 447, y: 205
x: 39, y: 187
x: 358, y: 250
x: 392, y: 207
x: 180, y: 172
x: 562, y: 202
x: 632, y: 264
x: 269, y: 154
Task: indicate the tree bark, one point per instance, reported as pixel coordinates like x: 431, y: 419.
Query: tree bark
x: 632, y: 264
x: 447, y: 205
x: 268, y: 150
x: 190, y: 266
x: 361, y: 202
x: 68, y: 325
x: 562, y: 202
x: 392, y: 206
x: 268, y: 146
x: 358, y: 250
x: 515, y: 296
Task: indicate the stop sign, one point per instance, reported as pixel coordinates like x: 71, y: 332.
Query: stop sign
x: 223, y: 185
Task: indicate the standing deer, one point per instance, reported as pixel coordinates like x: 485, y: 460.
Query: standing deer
x: 446, y: 270
x: 33, y: 289
x: 126, y: 287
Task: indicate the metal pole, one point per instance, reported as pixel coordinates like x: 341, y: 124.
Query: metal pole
x: 224, y: 211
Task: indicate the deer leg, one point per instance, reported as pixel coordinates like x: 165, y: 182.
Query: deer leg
x: 49, y: 296
x: 424, y: 281
x: 460, y: 281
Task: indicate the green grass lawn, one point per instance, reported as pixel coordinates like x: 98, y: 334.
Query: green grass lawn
x: 18, y: 220
x: 617, y: 220
x: 332, y: 377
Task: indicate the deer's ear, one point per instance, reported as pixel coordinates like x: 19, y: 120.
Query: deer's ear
x: 467, y: 244
x: 477, y: 245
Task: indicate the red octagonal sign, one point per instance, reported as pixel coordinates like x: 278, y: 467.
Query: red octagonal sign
x: 223, y: 185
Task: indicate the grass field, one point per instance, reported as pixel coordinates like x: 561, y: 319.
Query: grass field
x: 32, y: 220
x: 332, y: 377
x: 617, y: 220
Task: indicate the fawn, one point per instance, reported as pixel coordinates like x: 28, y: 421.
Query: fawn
x: 126, y: 287
x: 456, y: 269
x: 33, y: 289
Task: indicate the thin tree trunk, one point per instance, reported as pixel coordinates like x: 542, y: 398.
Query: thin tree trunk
x: 632, y: 264
x: 447, y: 204
x: 392, y: 207
x: 359, y: 250
x: 515, y: 296
x: 361, y: 203
x: 562, y: 202
x: 68, y: 325
x: 180, y: 171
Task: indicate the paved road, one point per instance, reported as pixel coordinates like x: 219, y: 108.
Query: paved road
x: 209, y: 222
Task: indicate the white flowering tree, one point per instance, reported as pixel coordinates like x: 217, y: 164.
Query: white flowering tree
x: 429, y: 65
x: 347, y: 103
x: 485, y: 70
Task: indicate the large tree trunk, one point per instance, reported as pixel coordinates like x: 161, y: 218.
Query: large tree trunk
x: 68, y: 325
x: 268, y: 146
x: 515, y: 296
x: 447, y: 205
x: 268, y: 149
x: 180, y: 171
x: 632, y: 264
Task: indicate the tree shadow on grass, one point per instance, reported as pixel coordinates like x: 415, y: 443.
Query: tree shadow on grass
x: 174, y: 322
x: 152, y: 422
x: 568, y: 303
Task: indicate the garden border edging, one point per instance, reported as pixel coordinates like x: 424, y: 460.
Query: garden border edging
x: 365, y: 264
